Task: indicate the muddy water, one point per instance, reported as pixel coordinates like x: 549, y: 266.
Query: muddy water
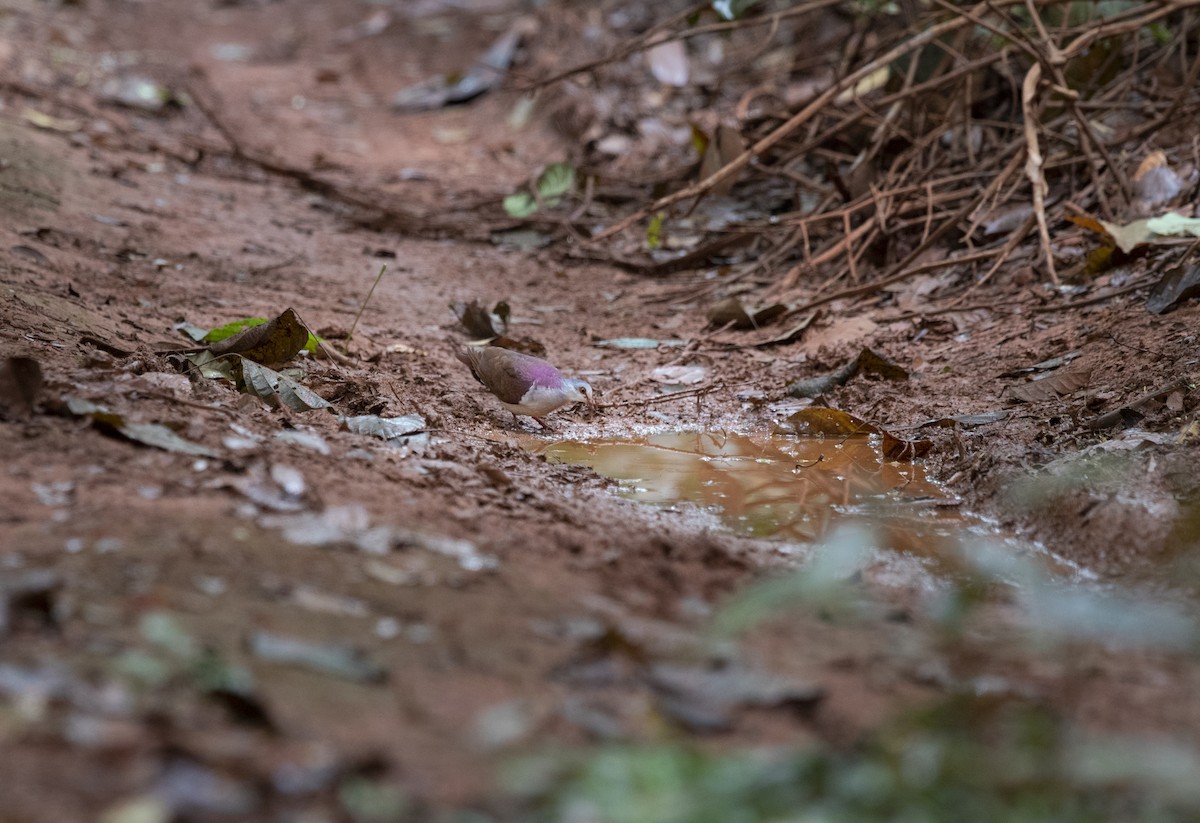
x: 774, y: 485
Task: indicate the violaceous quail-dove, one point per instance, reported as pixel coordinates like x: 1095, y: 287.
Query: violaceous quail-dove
x: 522, y: 383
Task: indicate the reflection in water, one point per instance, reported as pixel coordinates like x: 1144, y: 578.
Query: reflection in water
x: 770, y: 486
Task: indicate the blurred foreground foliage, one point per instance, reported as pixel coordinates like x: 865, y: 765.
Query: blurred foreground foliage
x: 981, y: 752
x: 969, y: 758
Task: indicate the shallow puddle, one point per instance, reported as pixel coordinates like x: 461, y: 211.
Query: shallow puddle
x: 774, y: 485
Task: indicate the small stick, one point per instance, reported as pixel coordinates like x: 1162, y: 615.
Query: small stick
x: 1009, y: 247
x: 324, y: 348
x: 666, y: 398
x: 797, y: 120
x: 1033, y: 165
x: 354, y: 325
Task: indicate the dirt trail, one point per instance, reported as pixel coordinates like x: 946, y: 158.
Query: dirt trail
x: 125, y: 223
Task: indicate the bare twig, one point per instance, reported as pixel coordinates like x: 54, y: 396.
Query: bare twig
x: 1091, y: 301
x: 1009, y: 246
x: 362, y: 308
x: 895, y: 277
x: 1033, y: 165
x: 735, y: 166
x: 667, y: 398
x: 665, y: 31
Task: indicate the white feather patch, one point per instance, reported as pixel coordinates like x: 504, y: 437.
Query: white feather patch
x: 538, y: 401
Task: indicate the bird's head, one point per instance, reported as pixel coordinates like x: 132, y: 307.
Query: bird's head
x: 580, y: 391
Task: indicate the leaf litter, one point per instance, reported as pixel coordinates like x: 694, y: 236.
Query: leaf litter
x: 733, y: 314
x: 823, y: 422
x: 154, y: 435
x: 554, y: 183
x: 480, y: 78
x: 1177, y: 285
x: 266, y: 342
x: 21, y: 384
x: 336, y: 659
x: 840, y: 268
x: 482, y: 323
x: 866, y: 362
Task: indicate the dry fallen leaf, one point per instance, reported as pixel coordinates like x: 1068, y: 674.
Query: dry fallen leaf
x: 522, y: 344
x: 1177, y: 285
x: 45, y: 121
x: 896, y: 448
x: 965, y: 420
x: 277, y: 341
x: 274, y: 388
x: 731, y: 312
x: 148, y: 434
x: 720, y: 151
x: 669, y: 63
x: 1155, y: 183
x: 1129, y: 236
x: 867, y: 362
x: 871, y: 362
x: 479, y: 322
x: 487, y: 73
x: 20, y: 384
x: 680, y: 375
x: 1052, y: 386
x: 1134, y: 410
x: 817, y: 421
x: 834, y: 422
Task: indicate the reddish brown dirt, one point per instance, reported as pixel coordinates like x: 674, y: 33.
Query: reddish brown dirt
x: 129, y: 223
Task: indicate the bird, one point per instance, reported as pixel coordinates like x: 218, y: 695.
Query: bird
x: 522, y: 383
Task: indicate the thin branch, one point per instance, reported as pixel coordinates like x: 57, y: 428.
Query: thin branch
x: 735, y: 166
x: 652, y: 37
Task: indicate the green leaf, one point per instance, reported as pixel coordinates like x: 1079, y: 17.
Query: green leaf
x: 336, y: 659
x: 556, y: 180
x: 372, y: 800
x: 1141, y: 232
x: 520, y: 204
x: 269, y: 343
x: 164, y: 630
x: 212, y: 673
x: 654, y: 231
x: 825, y: 581
x: 232, y: 328
x: 142, y: 667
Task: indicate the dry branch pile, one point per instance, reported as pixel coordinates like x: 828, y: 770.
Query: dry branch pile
x: 878, y: 145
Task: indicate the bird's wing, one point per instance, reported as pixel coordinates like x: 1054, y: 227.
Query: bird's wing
x: 501, y: 371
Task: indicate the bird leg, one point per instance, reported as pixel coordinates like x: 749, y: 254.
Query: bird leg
x: 541, y: 422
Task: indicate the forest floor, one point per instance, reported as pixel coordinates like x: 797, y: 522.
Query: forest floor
x: 287, y: 618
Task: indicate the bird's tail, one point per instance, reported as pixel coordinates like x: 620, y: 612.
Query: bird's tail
x: 469, y: 357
